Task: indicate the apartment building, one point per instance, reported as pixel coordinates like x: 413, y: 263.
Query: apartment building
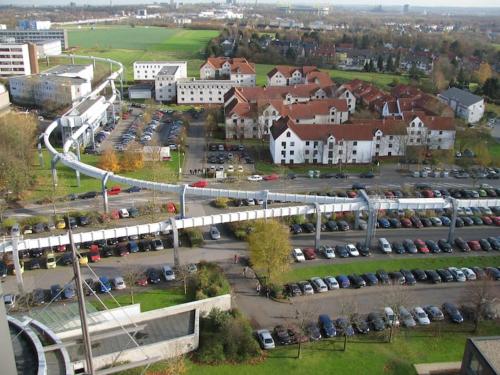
x: 148, y: 70
x: 34, y: 36
x: 465, y: 105
x: 166, y: 83
x: 193, y: 91
x: 235, y: 69
x: 18, y: 59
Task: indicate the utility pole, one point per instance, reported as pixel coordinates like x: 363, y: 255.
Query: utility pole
x: 17, y: 262
x: 81, y: 306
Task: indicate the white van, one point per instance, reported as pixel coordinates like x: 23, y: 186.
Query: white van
x: 168, y: 273
x: 384, y: 245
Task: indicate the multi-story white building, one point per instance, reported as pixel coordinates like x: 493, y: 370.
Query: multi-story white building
x: 83, y: 71
x: 17, y: 59
x: 48, y: 90
x: 238, y: 70
x: 34, y: 36
x: 48, y: 48
x: 166, y: 83
x: 148, y: 70
x: 90, y: 111
x: 468, y: 106
x: 283, y: 75
x: 434, y: 132
x: 192, y: 91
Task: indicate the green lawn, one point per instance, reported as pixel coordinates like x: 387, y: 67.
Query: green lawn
x: 150, y: 299
x: 364, y: 355
x: 67, y: 178
x: 304, y: 273
x: 127, y: 44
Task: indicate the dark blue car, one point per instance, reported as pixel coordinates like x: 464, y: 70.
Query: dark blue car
x: 343, y: 281
x: 384, y: 223
x: 133, y: 247
x: 326, y: 326
x: 104, y: 285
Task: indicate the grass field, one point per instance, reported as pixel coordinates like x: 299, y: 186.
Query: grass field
x: 127, y: 44
x: 150, y: 299
x: 305, y: 273
x: 67, y: 179
x: 365, y: 355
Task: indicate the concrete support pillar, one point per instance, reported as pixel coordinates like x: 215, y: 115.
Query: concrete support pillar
x: 317, y: 236
x: 17, y: 264
x: 7, y: 353
x: 175, y: 236
x: 182, y: 200
x: 357, y: 215
x: 454, y: 214
x: 105, y: 192
x: 92, y: 134
x: 93, y: 62
x: 40, y: 154
x: 121, y: 85
x: 265, y: 195
x: 73, y: 59
x: 77, y: 172
x: 370, y: 230
x: 53, y: 163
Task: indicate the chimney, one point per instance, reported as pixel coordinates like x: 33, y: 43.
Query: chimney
x: 33, y: 55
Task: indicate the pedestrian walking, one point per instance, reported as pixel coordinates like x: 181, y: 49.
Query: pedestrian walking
x: 235, y: 258
x: 258, y: 287
x: 245, y: 270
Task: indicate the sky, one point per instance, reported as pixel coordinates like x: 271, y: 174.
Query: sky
x: 426, y: 3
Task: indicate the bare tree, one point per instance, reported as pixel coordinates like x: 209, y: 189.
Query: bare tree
x: 131, y: 274
x: 303, y: 317
x: 184, y: 275
x: 348, y: 309
x: 478, y: 298
x: 395, y: 297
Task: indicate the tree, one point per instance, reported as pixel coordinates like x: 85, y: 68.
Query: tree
x: 380, y: 63
x: 484, y: 72
x: 17, y: 149
x: 390, y: 64
x: 491, y: 88
x: 483, y: 156
x: 131, y: 274
x: 398, y: 61
x: 439, y: 79
x: 269, y: 246
x: 371, y: 66
x: 131, y: 160
x: 479, y: 297
x: 395, y: 297
x: 462, y: 80
x: 414, y: 72
x: 109, y: 161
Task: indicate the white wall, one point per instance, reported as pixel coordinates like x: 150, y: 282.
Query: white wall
x: 192, y: 91
x: 14, y: 59
x: 148, y: 70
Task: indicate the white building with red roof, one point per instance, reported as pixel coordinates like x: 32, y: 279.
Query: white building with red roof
x: 237, y: 69
x: 283, y: 75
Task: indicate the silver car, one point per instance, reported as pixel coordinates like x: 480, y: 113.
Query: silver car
x: 406, y: 318
x: 214, y: 233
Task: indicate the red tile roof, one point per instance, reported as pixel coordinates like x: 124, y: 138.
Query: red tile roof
x: 287, y: 71
x: 238, y: 64
x: 310, y: 109
x: 431, y: 122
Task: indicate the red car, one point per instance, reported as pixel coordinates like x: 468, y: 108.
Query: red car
x: 496, y: 220
x: 115, y: 190
x: 171, y: 208
x: 271, y: 177
x: 115, y: 214
x: 421, y: 246
x: 389, y: 194
x: 474, y: 245
x: 94, y: 254
x: 142, y: 281
x: 406, y: 223
x: 352, y: 194
x: 61, y: 248
x: 427, y: 193
x: 309, y: 253
x: 487, y: 220
x: 199, y: 184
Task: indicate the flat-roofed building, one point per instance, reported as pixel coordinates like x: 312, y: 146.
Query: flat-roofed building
x: 83, y: 71
x: 18, y: 59
x: 166, y: 83
x: 148, y: 70
x: 34, y: 36
x: 192, y: 91
x: 48, y: 48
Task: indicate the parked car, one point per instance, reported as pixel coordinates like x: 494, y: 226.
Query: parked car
x: 375, y: 321
x: 383, y: 276
x: 168, y: 273
x: 344, y: 327
x: 342, y: 251
x: 420, y: 316
x: 331, y: 282
x: 327, y: 251
x: 461, y: 244
x: 319, y: 285
x: 326, y: 326
x: 390, y: 317
x: 265, y: 339
x: 298, y: 255
x: 306, y: 287
x: 457, y: 274
x: 406, y: 318
x: 363, y: 249
x: 282, y: 335
x: 451, y: 311
x: 360, y: 325
x: 118, y: 283
x: 309, y: 253
x: 214, y: 233
x: 293, y: 290
x: 434, y: 313
x: 445, y: 275
x: 313, y: 331
x: 56, y: 292
x: 343, y: 281
x: 353, y: 251
x: 384, y: 246
x: 445, y: 246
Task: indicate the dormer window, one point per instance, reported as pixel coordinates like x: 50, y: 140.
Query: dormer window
x: 288, y: 134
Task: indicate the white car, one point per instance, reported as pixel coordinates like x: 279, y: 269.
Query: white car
x: 240, y: 169
x: 457, y: 274
x: 124, y: 213
x: 421, y: 316
x: 214, y: 233
x: 327, y: 251
x: 331, y: 282
x: 486, y: 211
x: 9, y: 300
x: 254, y: 178
x: 384, y: 245
x: 298, y: 255
x: 469, y: 274
x: 265, y: 339
x: 352, y: 250
x: 118, y: 283
x: 468, y: 211
x: 406, y: 317
x: 168, y: 273
x: 230, y: 169
x: 390, y: 317
x: 319, y: 285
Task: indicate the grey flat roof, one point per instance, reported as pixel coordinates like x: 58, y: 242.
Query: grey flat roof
x: 141, y: 86
x: 66, y: 68
x: 490, y: 349
x: 85, y: 105
x: 155, y: 330
x: 461, y: 96
x: 168, y: 70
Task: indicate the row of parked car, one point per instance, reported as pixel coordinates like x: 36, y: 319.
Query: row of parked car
x: 381, y: 277
x: 326, y: 327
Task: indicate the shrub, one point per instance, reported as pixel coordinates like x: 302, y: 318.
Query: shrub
x: 209, y: 281
x: 194, y: 237
x: 221, y: 202
x: 226, y: 336
x: 33, y: 220
x: 8, y: 223
x: 276, y: 291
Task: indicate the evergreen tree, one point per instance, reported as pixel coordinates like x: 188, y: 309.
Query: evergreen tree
x: 366, y: 68
x: 390, y: 64
x: 380, y: 63
x: 398, y: 61
x: 371, y: 67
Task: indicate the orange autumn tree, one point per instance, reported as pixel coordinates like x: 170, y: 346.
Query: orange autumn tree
x: 131, y: 160
x: 109, y: 161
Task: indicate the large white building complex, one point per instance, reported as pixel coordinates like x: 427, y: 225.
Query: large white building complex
x: 56, y: 87
x: 467, y: 106
x: 35, y: 36
x: 18, y: 59
x: 193, y: 91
